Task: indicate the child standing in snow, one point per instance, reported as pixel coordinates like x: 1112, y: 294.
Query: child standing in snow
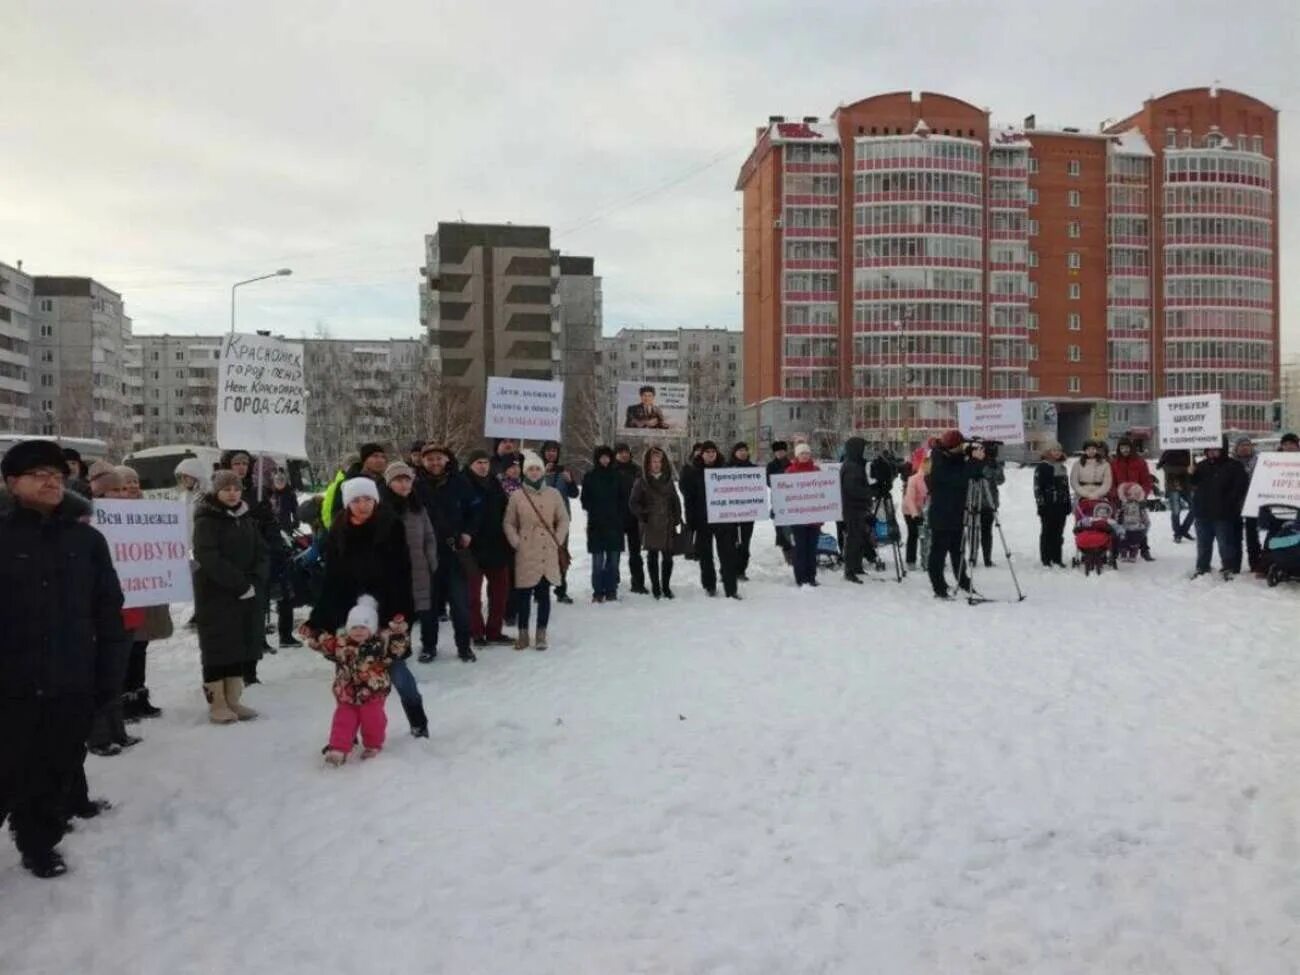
x: 1133, y: 520
x: 362, y: 655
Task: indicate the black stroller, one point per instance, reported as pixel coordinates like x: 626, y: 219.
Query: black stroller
x: 1281, y: 524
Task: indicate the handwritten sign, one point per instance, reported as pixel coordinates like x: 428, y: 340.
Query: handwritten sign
x: 735, y: 494
x: 523, y: 409
x: 650, y: 409
x: 1276, y: 481
x: 992, y: 419
x: 806, y: 498
x: 149, y: 543
x: 261, y: 400
x: 1191, y: 422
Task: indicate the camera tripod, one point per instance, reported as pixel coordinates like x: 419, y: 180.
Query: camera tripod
x: 979, y: 496
x: 885, y: 500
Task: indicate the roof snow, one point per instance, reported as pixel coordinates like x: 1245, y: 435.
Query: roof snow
x: 1131, y: 143
x: 826, y: 132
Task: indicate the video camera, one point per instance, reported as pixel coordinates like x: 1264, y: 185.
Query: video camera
x: 990, y: 447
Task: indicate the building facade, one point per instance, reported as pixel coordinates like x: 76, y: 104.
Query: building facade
x: 709, y: 360
x: 497, y: 300
x: 80, y: 331
x: 16, y: 289
x: 907, y: 254
x: 172, y: 386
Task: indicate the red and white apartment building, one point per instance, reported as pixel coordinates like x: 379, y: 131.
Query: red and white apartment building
x: 906, y: 254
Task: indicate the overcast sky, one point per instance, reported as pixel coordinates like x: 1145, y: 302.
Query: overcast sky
x: 171, y: 147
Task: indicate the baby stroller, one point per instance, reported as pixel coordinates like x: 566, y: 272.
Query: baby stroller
x: 1281, y: 524
x: 828, y: 552
x: 1095, y: 532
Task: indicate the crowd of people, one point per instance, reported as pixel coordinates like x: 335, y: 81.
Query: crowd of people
x: 400, y: 548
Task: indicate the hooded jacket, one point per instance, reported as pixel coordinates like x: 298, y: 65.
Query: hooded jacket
x: 656, y: 506
x: 1221, y: 485
x: 695, y: 502
x: 1129, y: 470
x: 555, y: 475
x: 856, y: 494
x: 605, y: 504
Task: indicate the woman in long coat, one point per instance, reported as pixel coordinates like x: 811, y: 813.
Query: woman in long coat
x: 536, y: 526
x: 231, y: 564
x: 655, y: 505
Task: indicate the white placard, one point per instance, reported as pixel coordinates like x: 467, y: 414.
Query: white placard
x: 149, y: 543
x: 992, y: 419
x: 1276, y: 481
x: 1191, y: 422
x: 735, y: 494
x: 806, y: 498
x: 523, y: 409
x: 649, y: 409
x: 261, y: 404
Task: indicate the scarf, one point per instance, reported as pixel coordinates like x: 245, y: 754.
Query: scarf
x: 535, y: 485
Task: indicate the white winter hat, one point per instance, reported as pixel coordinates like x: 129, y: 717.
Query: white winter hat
x: 365, y: 613
x: 802, y: 450
x: 531, y: 460
x: 193, y: 467
x: 359, y: 487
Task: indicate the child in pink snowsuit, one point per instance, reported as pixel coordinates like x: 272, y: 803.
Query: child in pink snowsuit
x: 362, y: 656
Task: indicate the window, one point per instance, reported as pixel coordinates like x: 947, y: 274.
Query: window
x: 180, y: 356
x: 1033, y: 352
x: 1033, y: 258
x: 1072, y: 353
x: 1031, y: 384
x: 1072, y: 261
x: 1033, y: 197
x: 1033, y: 164
x: 1033, y: 321
x: 153, y: 356
x: 1033, y: 228
x: 47, y: 331
x: 1171, y: 138
x: 1074, y: 291
x: 1257, y: 144
x: 1074, y: 197
x: 47, y: 405
x: 180, y: 373
x: 47, y: 380
x: 47, y: 304
x: 1075, y: 230
x: 1074, y: 384
x: 47, y: 355
x: 1033, y: 289
x: 1074, y: 322
x: 1073, y: 167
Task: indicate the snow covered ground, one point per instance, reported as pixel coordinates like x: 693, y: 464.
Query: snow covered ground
x: 1101, y: 779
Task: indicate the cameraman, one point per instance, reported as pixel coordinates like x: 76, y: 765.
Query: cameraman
x: 952, y: 468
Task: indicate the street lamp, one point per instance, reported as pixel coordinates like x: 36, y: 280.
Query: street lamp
x: 282, y: 273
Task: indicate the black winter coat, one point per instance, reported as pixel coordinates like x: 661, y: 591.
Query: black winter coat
x: 606, y: 507
x: 285, y: 505
x: 776, y: 465
x: 628, y: 475
x: 60, y: 608
x: 694, y: 494
x: 487, y: 505
x: 1220, y: 489
x: 1051, y: 490
x: 950, y: 477
x: 231, y: 556
x: 446, y: 501
x: 368, y: 559
x: 856, y: 494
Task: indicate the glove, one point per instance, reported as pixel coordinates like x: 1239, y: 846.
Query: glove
x: 252, y: 591
x: 309, y: 636
x: 397, y: 625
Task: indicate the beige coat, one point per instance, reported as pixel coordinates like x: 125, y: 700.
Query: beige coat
x: 535, y: 553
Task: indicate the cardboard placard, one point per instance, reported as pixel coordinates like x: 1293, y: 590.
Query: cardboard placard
x: 992, y: 419
x: 523, y: 409
x: 261, y: 400
x: 1191, y: 422
x: 1276, y: 480
x: 806, y: 498
x: 662, y: 409
x: 735, y: 494
x: 149, y: 543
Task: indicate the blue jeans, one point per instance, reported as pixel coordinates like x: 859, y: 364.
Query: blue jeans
x: 1227, y: 533
x: 524, y: 605
x: 604, y: 573
x: 1178, y: 503
x: 409, y: 693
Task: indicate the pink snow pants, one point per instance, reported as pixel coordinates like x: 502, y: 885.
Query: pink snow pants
x: 369, y: 717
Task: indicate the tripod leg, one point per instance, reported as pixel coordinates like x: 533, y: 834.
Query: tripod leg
x: 1006, y: 551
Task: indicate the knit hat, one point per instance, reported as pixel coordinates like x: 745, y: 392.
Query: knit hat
x: 476, y: 455
x: 951, y: 440
x: 779, y: 445
x: 367, y: 449
x: 622, y: 448
x: 225, y: 479
x: 708, y: 445
x: 533, y: 460
x: 364, y: 613
x: 28, y: 455
x: 1051, y: 447
x: 127, y: 473
x: 97, y: 470
x: 397, y: 469
x: 433, y: 448
x: 1291, y: 438
x: 801, y: 450
x: 359, y: 487
x: 192, y: 467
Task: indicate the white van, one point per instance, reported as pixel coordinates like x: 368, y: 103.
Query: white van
x: 157, y: 465
x: 90, y: 449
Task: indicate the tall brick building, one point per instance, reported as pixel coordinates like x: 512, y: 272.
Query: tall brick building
x: 906, y: 254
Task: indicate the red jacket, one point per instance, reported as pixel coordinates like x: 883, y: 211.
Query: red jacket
x: 1130, y: 470
x: 132, y: 620
x: 801, y: 467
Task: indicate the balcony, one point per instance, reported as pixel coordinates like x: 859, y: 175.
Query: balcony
x: 911, y: 260
x: 821, y: 233
x: 806, y: 296
x: 918, y: 294
x: 920, y: 196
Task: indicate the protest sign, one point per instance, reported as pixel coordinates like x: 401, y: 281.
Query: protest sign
x: 646, y: 409
x: 523, y: 409
x: 260, y: 396
x: 1276, y: 481
x: 149, y: 544
x: 992, y: 419
x: 806, y: 498
x: 1191, y: 422
x: 735, y: 494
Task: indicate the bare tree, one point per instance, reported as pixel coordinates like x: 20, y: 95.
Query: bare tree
x: 583, y: 426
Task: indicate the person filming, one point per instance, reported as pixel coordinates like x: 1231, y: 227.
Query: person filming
x: 953, y: 465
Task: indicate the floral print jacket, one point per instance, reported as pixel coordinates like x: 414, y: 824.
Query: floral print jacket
x: 361, y: 669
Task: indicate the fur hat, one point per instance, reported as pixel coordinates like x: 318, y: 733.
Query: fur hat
x: 225, y: 479
x: 951, y: 440
x: 397, y: 469
x: 434, y: 448
x: 476, y: 455
x: 1291, y: 438
x: 28, y: 455
x: 365, y: 613
x: 193, y: 467
x: 622, y: 448
x: 801, y: 450
x: 1051, y: 447
x: 359, y: 487
x: 532, y: 460
x: 779, y: 445
x: 740, y: 446
x: 369, y: 449
x: 601, y: 450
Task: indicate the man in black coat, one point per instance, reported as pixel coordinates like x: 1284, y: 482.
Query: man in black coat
x: 1219, y: 484
x: 707, y: 536
x: 777, y: 465
x: 445, y: 498
x: 628, y: 472
x: 607, y: 512
x: 951, y: 473
x: 62, y: 653
x: 744, y: 529
x: 858, y: 501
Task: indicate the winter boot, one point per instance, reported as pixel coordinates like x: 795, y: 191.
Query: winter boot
x: 416, y: 718
x: 540, y: 642
x: 370, y: 753
x: 141, y: 706
x: 284, y: 623
x: 46, y: 865
x: 335, y: 758
x: 521, y: 641
x: 234, y: 691
x: 218, y: 710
